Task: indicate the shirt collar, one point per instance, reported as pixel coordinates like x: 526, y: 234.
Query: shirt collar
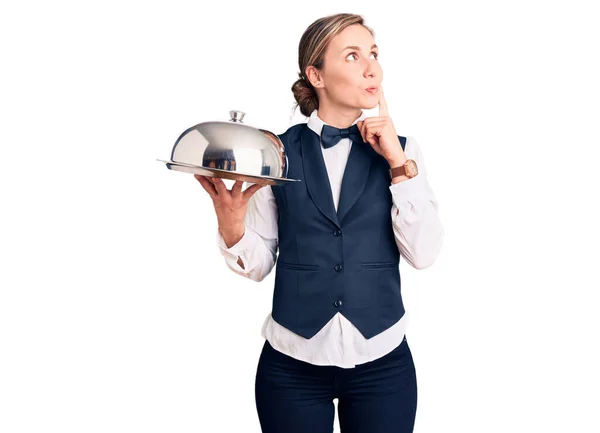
x: 316, y: 124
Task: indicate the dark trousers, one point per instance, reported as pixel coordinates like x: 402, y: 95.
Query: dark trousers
x: 294, y: 396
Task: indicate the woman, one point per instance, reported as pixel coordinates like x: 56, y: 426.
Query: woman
x: 337, y: 328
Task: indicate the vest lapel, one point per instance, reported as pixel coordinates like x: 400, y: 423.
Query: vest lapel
x: 355, y: 176
x: 315, y: 174
x: 354, y: 179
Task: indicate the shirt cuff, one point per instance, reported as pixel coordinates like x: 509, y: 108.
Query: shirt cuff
x: 243, y: 245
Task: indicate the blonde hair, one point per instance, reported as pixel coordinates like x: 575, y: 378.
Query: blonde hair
x: 311, y: 52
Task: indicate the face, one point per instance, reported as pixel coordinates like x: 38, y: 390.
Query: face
x: 348, y: 72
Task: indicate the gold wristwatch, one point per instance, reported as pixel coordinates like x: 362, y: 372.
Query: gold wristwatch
x: 408, y: 169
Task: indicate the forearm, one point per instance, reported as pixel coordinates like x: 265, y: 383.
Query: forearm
x: 418, y: 232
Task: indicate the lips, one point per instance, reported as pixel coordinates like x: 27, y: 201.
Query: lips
x: 371, y: 89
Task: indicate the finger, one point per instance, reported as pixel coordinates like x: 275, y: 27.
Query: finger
x: 219, y: 185
x: 373, y: 132
x: 207, y: 185
x: 383, y: 108
x: 372, y: 121
x: 236, y: 189
x: 371, y: 137
x: 251, y: 190
x: 372, y: 126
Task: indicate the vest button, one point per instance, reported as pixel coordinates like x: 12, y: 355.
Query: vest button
x: 338, y: 267
x: 337, y: 304
x: 337, y: 232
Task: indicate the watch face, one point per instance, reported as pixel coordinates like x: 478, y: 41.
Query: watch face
x: 411, y: 168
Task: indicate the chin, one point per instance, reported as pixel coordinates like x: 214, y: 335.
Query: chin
x: 370, y: 104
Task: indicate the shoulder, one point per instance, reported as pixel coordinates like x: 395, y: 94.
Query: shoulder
x: 293, y: 131
x: 292, y: 135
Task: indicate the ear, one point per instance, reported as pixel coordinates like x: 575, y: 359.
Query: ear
x: 314, y: 76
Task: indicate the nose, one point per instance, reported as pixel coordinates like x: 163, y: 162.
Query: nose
x: 370, y: 69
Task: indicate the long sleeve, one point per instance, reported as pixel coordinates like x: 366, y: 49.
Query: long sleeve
x: 258, y: 246
x: 418, y: 230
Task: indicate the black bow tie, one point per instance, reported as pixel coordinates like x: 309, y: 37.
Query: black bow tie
x: 330, y: 136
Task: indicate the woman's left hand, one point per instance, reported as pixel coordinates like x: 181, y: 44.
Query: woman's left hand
x: 380, y: 133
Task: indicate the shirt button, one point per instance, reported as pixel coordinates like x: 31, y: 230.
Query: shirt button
x: 337, y: 304
x: 337, y: 232
x: 338, y: 268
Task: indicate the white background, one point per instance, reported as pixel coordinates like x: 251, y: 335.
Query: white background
x: 117, y: 312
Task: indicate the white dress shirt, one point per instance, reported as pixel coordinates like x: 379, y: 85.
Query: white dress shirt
x: 417, y: 230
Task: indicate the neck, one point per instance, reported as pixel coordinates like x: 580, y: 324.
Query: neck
x: 336, y: 116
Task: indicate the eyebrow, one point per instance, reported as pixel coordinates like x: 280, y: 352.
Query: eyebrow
x: 354, y: 47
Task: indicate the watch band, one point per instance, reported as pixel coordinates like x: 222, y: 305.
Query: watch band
x: 397, y: 171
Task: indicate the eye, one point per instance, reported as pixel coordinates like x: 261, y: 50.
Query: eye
x: 355, y: 55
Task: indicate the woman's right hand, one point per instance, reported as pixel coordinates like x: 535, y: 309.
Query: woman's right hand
x: 230, y: 205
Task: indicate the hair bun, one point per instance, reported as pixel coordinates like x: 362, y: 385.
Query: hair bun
x: 305, y: 96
